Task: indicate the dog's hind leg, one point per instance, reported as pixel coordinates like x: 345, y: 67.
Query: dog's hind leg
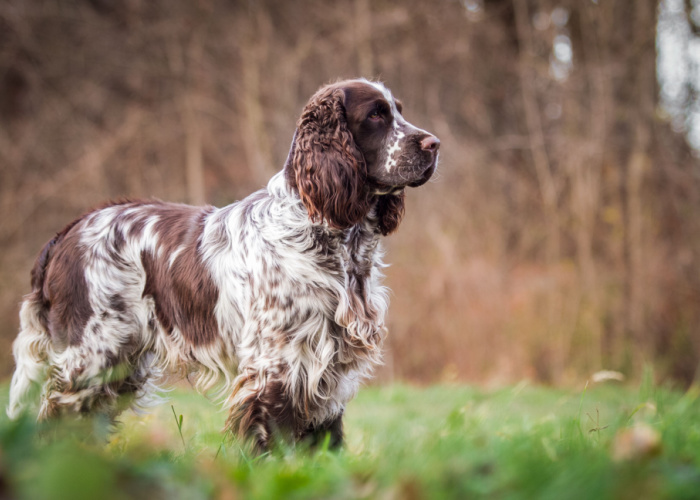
x: 32, y: 351
x: 77, y: 385
x: 85, y: 382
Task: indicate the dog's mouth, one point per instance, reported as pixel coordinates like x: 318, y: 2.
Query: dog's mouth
x: 380, y: 188
x: 427, y: 174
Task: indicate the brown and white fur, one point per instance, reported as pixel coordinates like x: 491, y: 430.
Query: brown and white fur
x: 278, y: 296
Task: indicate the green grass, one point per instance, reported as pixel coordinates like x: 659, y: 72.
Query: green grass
x: 402, y: 442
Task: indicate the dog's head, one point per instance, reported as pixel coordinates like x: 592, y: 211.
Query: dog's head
x: 353, y: 150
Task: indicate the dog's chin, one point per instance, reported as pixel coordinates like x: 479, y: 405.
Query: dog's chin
x: 425, y: 177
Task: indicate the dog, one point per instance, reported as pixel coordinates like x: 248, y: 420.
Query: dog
x: 277, y: 298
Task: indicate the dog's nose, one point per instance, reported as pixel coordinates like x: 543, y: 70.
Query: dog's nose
x: 430, y: 143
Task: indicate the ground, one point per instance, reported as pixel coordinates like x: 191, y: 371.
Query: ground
x: 448, y: 441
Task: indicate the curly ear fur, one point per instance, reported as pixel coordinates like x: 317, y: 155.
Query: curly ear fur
x: 390, y: 209
x: 327, y: 168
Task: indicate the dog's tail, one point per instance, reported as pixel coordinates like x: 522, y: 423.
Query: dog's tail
x: 31, y: 351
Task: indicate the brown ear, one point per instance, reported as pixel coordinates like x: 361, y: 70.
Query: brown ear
x: 390, y: 209
x: 325, y: 166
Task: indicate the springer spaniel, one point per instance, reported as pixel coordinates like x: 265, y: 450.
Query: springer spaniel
x: 279, y: 295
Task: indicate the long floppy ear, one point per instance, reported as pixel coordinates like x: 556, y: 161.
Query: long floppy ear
x: 325, y: 165
x: 390, y: 209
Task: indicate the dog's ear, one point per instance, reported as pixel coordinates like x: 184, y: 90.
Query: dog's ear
x: 324, y: 164
x: 389, y: 211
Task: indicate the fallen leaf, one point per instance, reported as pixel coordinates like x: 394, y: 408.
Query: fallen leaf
x: 640, y: 441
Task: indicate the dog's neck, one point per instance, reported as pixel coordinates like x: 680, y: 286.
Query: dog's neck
x: 367, y: 229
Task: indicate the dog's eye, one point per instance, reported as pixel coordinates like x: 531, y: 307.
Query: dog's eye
x: 375, y: 115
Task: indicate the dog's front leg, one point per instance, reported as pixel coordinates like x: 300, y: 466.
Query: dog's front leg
x: 261, y: 410
x: 316, y: 435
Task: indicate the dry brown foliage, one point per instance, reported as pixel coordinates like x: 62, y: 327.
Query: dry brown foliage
x: 559, y: 237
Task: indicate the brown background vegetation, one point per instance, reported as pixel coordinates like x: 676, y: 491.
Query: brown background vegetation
x: 560, y: 236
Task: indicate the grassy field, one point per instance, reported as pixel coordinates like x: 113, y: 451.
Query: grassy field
x: 403, y: 442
